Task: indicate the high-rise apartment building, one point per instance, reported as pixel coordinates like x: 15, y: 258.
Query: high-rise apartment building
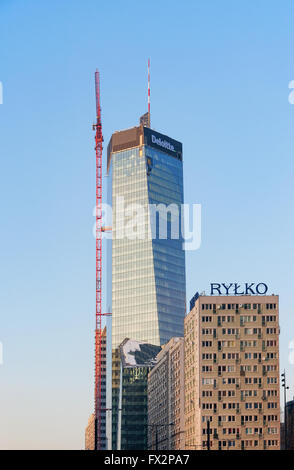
x: 148, y: 263
x: 166, y: 400
x: 99, y: 434
x: 100, y: 431
x: 232, y: 373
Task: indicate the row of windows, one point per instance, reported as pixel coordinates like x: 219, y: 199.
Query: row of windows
x: 266, y: 318
x: 237, y: 306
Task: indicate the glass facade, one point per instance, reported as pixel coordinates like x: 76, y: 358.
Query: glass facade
x: 130, y: 401
x: 134, y: 408
x: 165, y: 186
x: 148, y: 273
x: 147, y: 300
x: 134, y: 307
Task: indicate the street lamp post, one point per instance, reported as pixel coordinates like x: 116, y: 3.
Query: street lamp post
x: 284, y: 385
x: 156, y: 426
x: 208, y: 434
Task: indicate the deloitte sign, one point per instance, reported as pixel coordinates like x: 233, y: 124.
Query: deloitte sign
x: 238, y: 289
x: 162, y: 143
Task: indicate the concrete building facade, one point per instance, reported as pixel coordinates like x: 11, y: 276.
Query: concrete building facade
x: 232, y: 373
x: 90, y: 433
x: 166, y: 420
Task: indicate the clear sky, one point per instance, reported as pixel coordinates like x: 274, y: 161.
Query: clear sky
x: 219, y: 83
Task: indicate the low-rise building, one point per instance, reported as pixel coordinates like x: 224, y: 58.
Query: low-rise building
x: 90, y: 433
x: 166, y: 419
x: 290, y: 424
x: 136, y: 359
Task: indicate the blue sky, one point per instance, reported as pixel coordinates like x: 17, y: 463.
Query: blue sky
x: 219, y: 83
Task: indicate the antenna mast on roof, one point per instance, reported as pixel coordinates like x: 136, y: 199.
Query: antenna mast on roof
x: 149, y: 116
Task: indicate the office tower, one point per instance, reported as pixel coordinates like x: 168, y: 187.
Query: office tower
x: 166, y: 400
x: 135, y: 362
x: 148, y: 268
x: 232, y: 373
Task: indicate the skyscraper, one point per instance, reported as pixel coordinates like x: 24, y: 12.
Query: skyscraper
x: 145, y: 169
x: 148, y: 265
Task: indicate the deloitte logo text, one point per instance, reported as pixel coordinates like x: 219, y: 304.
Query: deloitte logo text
x: 163, y: 143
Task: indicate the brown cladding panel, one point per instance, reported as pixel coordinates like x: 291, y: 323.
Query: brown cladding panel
x: 123, y: 140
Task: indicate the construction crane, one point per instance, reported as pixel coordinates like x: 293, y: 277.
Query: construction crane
x: 98, y: 328
x: 99, y: 234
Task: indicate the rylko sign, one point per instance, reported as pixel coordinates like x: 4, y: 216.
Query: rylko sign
x: 237, y: 289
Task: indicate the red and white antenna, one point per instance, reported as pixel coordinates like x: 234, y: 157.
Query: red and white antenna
x: 149, y: 116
